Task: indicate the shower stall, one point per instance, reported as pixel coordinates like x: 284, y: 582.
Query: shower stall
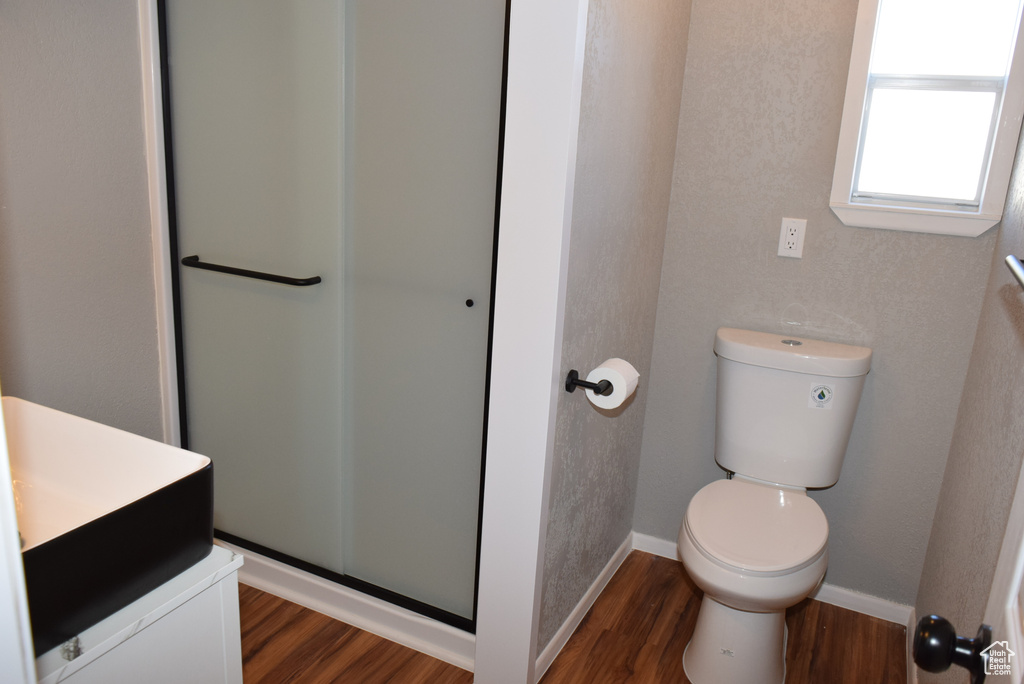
x: 334, y: 170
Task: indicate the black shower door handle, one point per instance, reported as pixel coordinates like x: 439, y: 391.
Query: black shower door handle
x: 194, y: 262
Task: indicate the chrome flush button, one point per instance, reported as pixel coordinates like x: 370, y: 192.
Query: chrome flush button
x: 792, y: 343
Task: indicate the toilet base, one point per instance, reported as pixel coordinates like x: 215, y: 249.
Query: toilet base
x: 732, y: 646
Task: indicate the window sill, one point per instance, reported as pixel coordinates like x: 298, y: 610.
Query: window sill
x: 914, y: 220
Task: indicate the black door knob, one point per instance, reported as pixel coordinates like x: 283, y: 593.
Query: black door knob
x: 936, y: 647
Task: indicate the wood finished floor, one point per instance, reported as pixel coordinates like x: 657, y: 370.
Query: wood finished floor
x: 638, y: 629
x: 635, y: 632
x: 283, y: 642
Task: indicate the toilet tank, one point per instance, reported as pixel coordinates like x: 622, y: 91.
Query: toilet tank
x: 786, y: 405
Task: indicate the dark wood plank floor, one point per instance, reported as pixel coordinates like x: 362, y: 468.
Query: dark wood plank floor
x: 283, y: 642
x: 636, y: 632
x: 638, y: 629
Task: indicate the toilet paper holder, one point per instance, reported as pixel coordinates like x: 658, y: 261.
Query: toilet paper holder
x: 572, y: 381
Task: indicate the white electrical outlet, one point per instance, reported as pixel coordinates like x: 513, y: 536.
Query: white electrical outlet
x: 791, y: 239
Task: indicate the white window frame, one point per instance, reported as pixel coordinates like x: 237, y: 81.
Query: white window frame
x: 921, y: 217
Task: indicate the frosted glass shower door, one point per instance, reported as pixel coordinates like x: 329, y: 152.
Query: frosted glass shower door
x: 256, y: 120
x: 356, y: 141
x: 423, y: 95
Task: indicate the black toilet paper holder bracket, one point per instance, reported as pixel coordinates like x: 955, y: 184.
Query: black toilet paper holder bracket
x: 572, y: 381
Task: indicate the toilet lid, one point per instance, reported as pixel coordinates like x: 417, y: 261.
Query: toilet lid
x: 757, y: 527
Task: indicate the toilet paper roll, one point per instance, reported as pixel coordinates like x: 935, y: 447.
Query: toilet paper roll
x: 623, y: 377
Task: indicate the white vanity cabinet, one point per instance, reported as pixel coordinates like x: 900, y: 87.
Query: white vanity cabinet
x: 186, y: 630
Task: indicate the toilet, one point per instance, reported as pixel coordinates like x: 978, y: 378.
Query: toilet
x: 755, y: 543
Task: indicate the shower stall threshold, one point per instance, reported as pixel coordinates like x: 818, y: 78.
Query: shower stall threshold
x: 384, y: 619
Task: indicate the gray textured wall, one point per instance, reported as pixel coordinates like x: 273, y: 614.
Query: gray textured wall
x: 77, y: 297
x: 756, y: 141
x: 988, y: 446
x: 632, y: 79
x: 761, y: 107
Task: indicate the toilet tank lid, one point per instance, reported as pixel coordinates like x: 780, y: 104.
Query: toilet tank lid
x: 797, y: 354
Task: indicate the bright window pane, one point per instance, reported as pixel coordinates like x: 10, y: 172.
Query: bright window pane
x: 925, y: 143
x: 944, y: 37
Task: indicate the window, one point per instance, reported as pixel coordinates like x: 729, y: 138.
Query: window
x: 933, y: 109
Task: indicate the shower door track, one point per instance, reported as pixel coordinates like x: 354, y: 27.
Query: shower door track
x: 400, y: 600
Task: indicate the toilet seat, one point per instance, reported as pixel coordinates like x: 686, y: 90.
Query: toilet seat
x: 756, y: 528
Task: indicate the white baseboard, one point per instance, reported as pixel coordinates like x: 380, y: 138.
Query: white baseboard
x: 881, y: 608
x: 659, y: 547
x: 561, y: 637
x: 874, y: 606
x: 384, y: 619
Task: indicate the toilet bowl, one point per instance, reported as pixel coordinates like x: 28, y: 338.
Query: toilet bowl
x: 755, y: 550
x: 755, y: 543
